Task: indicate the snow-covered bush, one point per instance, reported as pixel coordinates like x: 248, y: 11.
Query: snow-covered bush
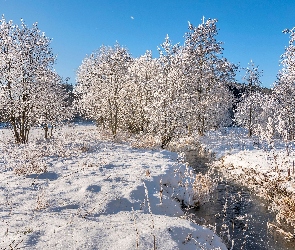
x: 143, y: 75
x: 166, y: 112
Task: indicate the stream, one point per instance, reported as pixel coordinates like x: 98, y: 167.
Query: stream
x: 235, y: 214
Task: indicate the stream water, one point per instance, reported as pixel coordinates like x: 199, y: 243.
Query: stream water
x: 237, y: 215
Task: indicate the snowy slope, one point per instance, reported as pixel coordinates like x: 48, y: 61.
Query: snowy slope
x: 248, y: 159
x: 94, y: 195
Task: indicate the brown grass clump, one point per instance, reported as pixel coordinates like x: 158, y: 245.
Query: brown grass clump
x: 202, y: 186
x: 32, y: 167
x: 30, y: 162
x: 286, y: 210
x: 144, y: 141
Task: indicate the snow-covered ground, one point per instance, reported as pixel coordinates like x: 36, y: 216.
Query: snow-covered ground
x: 243, y: 155
x: 95, y: 194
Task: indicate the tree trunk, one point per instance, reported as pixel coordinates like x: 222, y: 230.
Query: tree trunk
x: 45, y: 131
x: 51, y: 130
x: 250, y: 122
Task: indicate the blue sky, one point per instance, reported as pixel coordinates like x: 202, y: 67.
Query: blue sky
x: 249, y: 29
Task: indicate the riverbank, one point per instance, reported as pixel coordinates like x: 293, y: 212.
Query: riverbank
x: 79, y: 191
x: 267, y: 170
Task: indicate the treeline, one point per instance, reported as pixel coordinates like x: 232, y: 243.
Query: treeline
x: 184, y: 89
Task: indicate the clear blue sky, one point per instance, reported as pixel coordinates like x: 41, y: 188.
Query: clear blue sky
x: 249, y: 29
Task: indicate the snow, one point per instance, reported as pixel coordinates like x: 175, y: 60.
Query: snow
x: 95, y: 194
x: 245, y: 158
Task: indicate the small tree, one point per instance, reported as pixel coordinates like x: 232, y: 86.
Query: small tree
x: 53, y: 106
x: 284, y: 89
x: 252, y: 113
x: 246, y: 111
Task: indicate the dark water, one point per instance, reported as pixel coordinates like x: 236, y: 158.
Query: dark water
x: 238, y: 216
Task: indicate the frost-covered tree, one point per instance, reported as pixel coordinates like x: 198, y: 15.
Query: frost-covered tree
x: 143, y: 74
x: 25, y: 57
x: 166, y: 111
x: 252, y: 77
x: 263, y: 121
x: 206, y: 77
x: 284, y: 89
x: 53, y: 107
x: 101, y: 80
x: 246, y: 112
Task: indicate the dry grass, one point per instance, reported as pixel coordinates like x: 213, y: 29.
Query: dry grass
x: 42, y: 202
x: 286, y: 210
x: 35, y: 166
x: 273, y: 188
x: 30, y: 161
x: 145, y: 141
x: 202, y: 187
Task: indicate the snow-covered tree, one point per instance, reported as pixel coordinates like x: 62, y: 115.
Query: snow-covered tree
x: 252, y: 77
x: 25, y: 58
x: 246, y: 112
x: 143, y: 74
x: 53, y: 108
x: 166, y: 110
x: 284, y: 89
x: 261, y: 106
x: 101, y: 79
x: 206, y: 77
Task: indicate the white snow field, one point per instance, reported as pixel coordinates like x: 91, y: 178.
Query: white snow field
x: 95, y: 194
